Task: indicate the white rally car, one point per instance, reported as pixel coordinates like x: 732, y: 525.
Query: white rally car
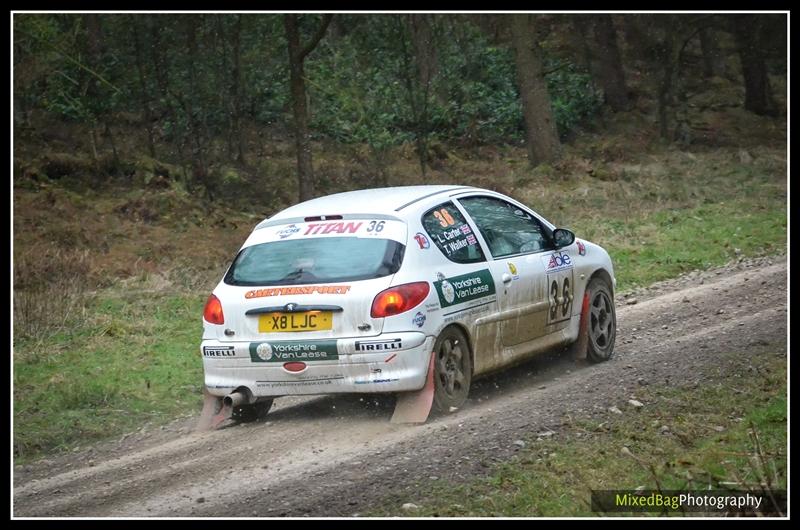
x: 411, y: 290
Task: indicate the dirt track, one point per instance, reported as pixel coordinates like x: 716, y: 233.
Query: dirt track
x: 339, y: 455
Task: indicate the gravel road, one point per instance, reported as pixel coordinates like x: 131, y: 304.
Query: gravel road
x: 339, y: 455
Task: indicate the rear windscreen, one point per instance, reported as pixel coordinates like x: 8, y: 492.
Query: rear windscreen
x: 327, y: 259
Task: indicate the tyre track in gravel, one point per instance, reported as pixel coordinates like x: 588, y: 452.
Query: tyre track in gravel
x: 339, y: 455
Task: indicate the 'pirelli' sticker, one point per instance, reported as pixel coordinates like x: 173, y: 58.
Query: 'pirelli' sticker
x: 218, y: 351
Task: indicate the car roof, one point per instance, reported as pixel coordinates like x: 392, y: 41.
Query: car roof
x: 377, y: 200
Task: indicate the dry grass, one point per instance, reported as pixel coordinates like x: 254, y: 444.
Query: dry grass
x: 50, y: 289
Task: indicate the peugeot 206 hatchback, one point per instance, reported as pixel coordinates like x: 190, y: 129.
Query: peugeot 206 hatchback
x: 410, y: 290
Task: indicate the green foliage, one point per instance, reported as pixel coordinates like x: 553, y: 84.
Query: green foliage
x: 358, y: 93
x: 357, y: 78
x: 572, y: 94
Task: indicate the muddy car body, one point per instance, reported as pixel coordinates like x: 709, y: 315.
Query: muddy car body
x: 398, y: 289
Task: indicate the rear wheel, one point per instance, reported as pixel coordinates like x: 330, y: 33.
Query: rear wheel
x: 452, y: 370
x: 602, y: 321
x: 252, y: 412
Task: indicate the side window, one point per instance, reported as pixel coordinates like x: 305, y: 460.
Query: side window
x: 451, y: 233
x: 507, y: 229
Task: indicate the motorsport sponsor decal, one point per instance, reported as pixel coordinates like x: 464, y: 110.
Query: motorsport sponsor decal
x: 379, y: 345
x: 333, y: 228
x: 581, y: 248
x: 286, y: 291
x: 375, y: 381
x: 463, y: 288
x: 557, y: 261
x: 422, y: 241
x: 419, y: 319
x: 288, y: 231
x: 293, y: 350
x: 432, y: 306
x: 218, y: 351
x: 513, y: 270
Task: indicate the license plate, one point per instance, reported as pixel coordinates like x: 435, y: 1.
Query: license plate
x: 307, y: 321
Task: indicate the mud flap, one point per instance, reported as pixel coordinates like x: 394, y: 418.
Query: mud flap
x: 414, y: 407
x: 213, y: 413
x: 580, y: 348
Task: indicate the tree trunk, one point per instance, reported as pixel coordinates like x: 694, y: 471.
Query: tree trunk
x: 94, y: 48
x: 94, y: 34
x: 161, y: 70
x: 236, y: 78
x: 422, y: 44
x: 757, y: 91
x: 297, y: 85
x: 581, y: 36
x: 199, y: 167
x: 712, y: 65
x: 540, y: 125
x: 143, y: 92
x: 666, y: 56
x: 411, y: 80
x: 608, y: 64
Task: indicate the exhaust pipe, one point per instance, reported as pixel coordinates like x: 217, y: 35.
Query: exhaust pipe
x: 234, y: 400
x: 217, y: 409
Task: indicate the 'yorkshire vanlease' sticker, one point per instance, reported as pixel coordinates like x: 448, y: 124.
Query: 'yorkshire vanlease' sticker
x: 466, y: 287
x: 293, y: 350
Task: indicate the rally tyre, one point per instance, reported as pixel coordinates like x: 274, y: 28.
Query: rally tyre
x: 602, y: 321
x: 253, y: 412
x: 452, y: 373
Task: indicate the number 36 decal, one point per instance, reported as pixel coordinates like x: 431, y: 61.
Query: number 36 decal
x: 375, y: 226
x: 560, y: 300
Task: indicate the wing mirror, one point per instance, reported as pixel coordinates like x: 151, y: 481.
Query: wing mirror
x: 563, y: 237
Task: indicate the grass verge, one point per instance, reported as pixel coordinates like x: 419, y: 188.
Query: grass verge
x: 684, y: 438
x: 134, y: 360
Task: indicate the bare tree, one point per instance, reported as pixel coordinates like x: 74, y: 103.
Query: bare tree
x: 144, y: 94
x: 608, y: 67
x: 236, y: 87
x: 418, y: 70
x: 297, y: 55
x: 540, y: 125
x: 712, y: 58
x: 757, y: 91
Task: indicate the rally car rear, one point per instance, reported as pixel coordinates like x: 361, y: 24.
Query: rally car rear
x: 301, y: 310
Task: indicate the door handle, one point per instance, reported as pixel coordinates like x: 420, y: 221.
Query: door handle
x: 506, y: 278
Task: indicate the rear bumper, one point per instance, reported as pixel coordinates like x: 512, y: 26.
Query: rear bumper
x: 352, y: 365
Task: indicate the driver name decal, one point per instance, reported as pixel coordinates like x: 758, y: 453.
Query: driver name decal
x: 466, y: 287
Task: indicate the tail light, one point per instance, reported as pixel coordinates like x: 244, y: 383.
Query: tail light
x: 399, y: 299
x: 213, y: 311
